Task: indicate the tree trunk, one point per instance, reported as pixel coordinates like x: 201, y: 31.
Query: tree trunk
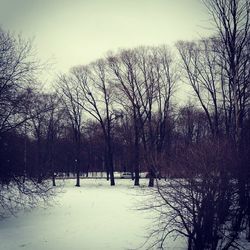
x: 151, y: 182
x: 151, y: 178
x: 39, y: 161
x: 111, y: 167
x: 137, y: 179
x: 136, y: 153
x: 54, y: 180
x: 78, y: 178
x: 110, y: 163
x: 112, y: 179
x: 77, y: 155
x: 77, y: 170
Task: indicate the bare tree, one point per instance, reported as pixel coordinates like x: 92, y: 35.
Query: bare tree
x: 97, y: 100
x: 163, y: 75
x: 17, y: 72
x: 218, y: 71
x: 200, y: 206
x: 70, y: 92
x: 126, y: 80
x: 40, y: 109
x: 231, y: 19
x: 200, y: 64
x: 18, y: 69
x: 88, y: 89
x: 54, y: 125
x: 145, y: 77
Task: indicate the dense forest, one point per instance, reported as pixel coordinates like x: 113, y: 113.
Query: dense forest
x: 122, y: 113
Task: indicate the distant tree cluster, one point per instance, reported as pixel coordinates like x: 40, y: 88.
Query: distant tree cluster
x: 121, y: 113
x: 127, y: 98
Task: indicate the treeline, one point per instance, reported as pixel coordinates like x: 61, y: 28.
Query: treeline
x: 109, y: 115
x: 121, y: 113
x: 118, y: 113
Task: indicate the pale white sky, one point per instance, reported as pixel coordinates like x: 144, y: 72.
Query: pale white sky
x: 76, y: 32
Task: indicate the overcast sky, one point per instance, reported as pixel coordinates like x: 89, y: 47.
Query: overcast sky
x: 74, y: 32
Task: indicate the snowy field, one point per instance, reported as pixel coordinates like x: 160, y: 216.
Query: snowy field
x: 92, y: 217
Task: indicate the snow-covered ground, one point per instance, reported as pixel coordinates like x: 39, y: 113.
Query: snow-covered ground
x: 95, y: 216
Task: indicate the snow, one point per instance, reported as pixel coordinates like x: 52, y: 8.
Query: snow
x: 94, y: 216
